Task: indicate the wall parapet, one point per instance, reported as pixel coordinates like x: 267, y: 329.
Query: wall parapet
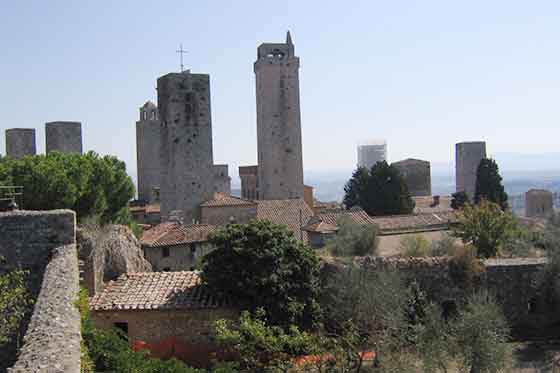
x: 52, y: 341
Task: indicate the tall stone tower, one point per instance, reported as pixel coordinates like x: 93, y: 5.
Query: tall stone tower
x: 64, y: 137
x: 187, y: 172
x: 147, y: 152
x: 278, y: 121
x: 467, y: 158
x: 417, y: 176
x: 20, y: 142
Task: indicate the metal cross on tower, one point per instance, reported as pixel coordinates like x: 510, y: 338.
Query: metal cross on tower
x: 181, y: 51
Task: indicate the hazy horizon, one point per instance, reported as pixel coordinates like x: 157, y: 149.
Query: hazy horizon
x: 421, y: 75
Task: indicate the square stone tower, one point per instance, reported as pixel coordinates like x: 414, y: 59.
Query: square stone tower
x: 20, y: 142
x: 467, y: 158
x: 187, y: 172
x: 147, y: 151
x: 64, y: 137
x: 278, y: 121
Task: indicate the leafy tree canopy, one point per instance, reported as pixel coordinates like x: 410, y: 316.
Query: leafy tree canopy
x: 489, y: 184
x: 88, y: 184
x: 379, y: 191
x: 261, y: 264
x: 487, y: 227
x: 459, y: 200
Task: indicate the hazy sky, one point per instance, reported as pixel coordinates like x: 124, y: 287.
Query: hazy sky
x: 421, y: 74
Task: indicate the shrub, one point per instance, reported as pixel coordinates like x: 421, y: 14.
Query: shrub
x: 354, y: 239
x: 465, y: 268
x: 445, y: 246
x: 414, y: 245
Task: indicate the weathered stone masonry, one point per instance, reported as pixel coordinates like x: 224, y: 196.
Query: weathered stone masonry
x: 44, y: 242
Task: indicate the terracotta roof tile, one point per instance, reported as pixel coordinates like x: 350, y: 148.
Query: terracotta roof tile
x: 174, y: 233
x: 293, y: 213
x: 394, y: 222
x: 320, y: 227
x: 221, y: 199
x: 155, y: 291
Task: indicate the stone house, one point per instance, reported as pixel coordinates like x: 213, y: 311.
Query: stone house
x: 146, y: 214
x: 172, y: 246
x: 168, y: 313
x: 224, y: 209
x: 432, y: 226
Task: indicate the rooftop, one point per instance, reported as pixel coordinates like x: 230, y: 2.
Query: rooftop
x: 221, y: 200
x: 155, y: 291
x: 293, y: 213
x: 172, y: 233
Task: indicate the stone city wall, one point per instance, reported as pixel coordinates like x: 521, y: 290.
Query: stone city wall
x: 52, y: 341
x: 43, y: 242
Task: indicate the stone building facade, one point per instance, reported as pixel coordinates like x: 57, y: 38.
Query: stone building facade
x: 249, y: 176
x: 168, y: 313
x: 20, y: 142
x: 171, y: 246
x: 538, y: 203
x: 64, y: 137
x: 187, y: 177
x: 224, y: 209
x: 148, y: 152
x: 417, y: 176
x: 467, y: 158
x: 278, y: 121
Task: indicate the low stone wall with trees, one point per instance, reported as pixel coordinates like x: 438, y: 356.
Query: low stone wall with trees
x: 514, y: 282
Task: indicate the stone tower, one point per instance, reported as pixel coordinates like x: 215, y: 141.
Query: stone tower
x: 147, y: 151
x: 417, y: 176
x: 20, y: 142
x: 467, y: 158
x: 64, y: 137
x: 538, y: 203
x: 222, y: 181
x: 278, y: 121
x: 187, y: 168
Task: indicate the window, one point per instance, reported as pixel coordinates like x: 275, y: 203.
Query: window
x: 123, y: 327
x: 193, y: 248
x: 165, y: 252
x: 166, y: 269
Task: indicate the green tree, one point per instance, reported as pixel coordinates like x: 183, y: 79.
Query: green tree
x: 487, y: 227
x: 88, y: 184
x: 459, y: 200
x: 482, y: 332
x: 489, y: 184
x: 354, y: 239
x: 379, y: 191
x: 262, y: 347
x: 261, y: 264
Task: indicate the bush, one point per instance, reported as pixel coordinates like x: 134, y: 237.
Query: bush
x: 445, y: 246
x: 415, y: 245
x: 262, y: 264
x: 465, y: 269
x: 354, y: 239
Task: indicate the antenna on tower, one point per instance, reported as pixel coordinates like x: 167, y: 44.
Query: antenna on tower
x: 181, y: 52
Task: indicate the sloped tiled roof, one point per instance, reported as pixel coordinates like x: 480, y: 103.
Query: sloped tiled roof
x: 320, y: 227
x: 395, y: 222
x: 155, y: 291
x: 293, y: 213
x: 358, y: 217
x: 221, y: 200
x: 174, y: 233
x: 414, y: 222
